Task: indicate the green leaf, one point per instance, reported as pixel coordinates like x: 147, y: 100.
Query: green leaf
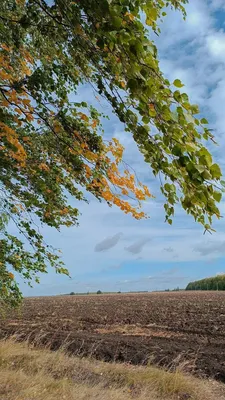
x: 185, y: 97
x: 167, y: 187
x: 205, y: 156
x: 194, y: 109
x: 117, y: 22
x: 215, y: 171
x: 180, y: 110
x: 177, y: 96
x: 178, y: 83
x: 187, y: 106
x: 200, y: 168
x: 206, y: 175
x: 152, y: 113
x: 151, y: 14
x: 204, y: 121
x: 146, y: 120
x: 191, y: 147
x: 217, y: 196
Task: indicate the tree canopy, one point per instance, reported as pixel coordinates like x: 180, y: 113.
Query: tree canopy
x: 53, y: 148
x: 213, y: 283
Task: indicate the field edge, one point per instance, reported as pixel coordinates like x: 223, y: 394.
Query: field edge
x: 40, y: 374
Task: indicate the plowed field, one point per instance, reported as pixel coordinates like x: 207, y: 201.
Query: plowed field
x: 169, y: 329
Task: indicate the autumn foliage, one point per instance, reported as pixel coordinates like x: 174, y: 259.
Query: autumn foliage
x: 53, y: 148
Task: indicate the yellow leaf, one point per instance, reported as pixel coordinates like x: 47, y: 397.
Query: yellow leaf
x: 130, y: 16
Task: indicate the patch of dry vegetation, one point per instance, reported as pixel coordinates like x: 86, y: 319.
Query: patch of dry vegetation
x: 39, y: 374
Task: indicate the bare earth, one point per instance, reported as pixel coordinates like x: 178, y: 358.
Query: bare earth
x: 168, y: 329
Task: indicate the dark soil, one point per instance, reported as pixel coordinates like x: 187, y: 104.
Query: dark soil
x: 168, y: 329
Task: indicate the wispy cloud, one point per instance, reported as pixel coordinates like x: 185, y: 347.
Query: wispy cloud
x: 108, y: 243
x: 169, y: 249
x: 137, y: 246
x: 210, y: 248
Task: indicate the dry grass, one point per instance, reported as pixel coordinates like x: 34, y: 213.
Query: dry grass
x: 39, y: 374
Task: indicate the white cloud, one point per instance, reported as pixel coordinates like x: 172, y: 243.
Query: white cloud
x: 216, y: 45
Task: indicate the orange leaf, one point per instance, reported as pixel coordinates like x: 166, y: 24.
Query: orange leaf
x: 44, y: 167
x: 26, y: 102
x: 94, y: 124
x: 5, y: 47
x: 57, y: 127
x: 84, y: 117
x: 64, y: 211
x: 4, y: 103
x: 30, y: 117
x: 26, y: 139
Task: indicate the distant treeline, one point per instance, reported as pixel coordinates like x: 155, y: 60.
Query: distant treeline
x: 100, y: 292
x: 214, y: 283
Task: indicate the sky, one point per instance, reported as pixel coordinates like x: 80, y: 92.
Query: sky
x: 112, y: 251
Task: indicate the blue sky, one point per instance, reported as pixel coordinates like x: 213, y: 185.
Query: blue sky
x: 112, y: 251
